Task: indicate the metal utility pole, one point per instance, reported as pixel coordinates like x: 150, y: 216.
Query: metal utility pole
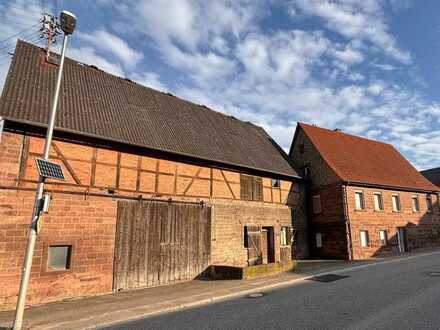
x: 68, y: 23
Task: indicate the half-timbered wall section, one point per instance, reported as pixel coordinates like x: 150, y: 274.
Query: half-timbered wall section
x: 101, y: 171
x: 84, y: 208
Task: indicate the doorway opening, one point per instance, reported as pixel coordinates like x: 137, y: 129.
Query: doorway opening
x: 402, y: 239
x: 267, y: 245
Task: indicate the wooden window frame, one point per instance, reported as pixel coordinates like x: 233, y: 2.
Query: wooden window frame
x: 251, y: 188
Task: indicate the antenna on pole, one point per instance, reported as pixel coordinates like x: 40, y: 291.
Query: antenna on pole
x: 49, y: 31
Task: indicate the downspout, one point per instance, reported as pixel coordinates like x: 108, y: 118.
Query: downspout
x: 347, y: 220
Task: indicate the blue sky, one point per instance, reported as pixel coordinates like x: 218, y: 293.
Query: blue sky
x: 369, y: 67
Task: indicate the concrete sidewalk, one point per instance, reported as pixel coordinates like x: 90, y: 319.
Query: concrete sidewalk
x: 98, y: 311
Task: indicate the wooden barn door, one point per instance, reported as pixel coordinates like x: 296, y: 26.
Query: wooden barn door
x: 254, y: 245
x: 159, y: 243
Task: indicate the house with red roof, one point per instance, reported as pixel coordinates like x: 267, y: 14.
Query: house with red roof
x: 364, y: 198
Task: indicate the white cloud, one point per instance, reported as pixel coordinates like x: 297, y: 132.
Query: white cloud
x: 89, y: 56
x: 107, y: 42
x: 150, y: 79
x: 384, y: 67
x: 361, y: 20
x: 349, y: 55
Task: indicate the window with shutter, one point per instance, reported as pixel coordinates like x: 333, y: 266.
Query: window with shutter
x: 251, y: 188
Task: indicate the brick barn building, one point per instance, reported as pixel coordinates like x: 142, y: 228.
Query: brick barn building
x: 156, y: 190
x: 364, y: 198
x: 432, y: 175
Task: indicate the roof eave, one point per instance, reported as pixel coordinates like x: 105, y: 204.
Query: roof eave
x: 228, y: 165
x: 389, y: 187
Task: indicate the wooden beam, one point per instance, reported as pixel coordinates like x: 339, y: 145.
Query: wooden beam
x: 156, y: 183
x: 139, y: 172
x: 227, y: 183
x: 23, y: 159
x: 192, y: 181
x: 175, y: 180
x: 211, y: 183
x: 66, y: 163
x: 118, y: 170
x: 93, y: 168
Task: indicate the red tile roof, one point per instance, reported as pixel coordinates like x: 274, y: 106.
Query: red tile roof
x: 366, y: 161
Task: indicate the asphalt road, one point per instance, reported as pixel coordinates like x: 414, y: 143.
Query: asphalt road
x: 397, y: 294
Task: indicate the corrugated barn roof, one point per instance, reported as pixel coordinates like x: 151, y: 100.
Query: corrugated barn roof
x: 96, y: 104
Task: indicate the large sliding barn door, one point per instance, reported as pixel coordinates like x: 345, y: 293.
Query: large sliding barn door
x: 159, y: 243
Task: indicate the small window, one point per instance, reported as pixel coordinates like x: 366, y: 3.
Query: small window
x: 359, y: 200
x: 364, y: 238
x: 316, y: 204
x: 415, y: 203
x: 318, y: 237
x: 396, y: 203
x: 428, y: 203
x: 275, y: 183
x: 301, y: 148
x: 307, y: 172
x: 383, y: 237
x: 378, y: 203
x: 59, y: 257
x: 284, y: 236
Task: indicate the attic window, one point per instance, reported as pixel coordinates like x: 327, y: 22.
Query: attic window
x: 275, y: 183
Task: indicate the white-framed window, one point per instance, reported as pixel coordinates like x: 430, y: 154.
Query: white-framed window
x: 378, y: 202
x: 383, y: 237
x: 284, y: 236
x: 359, y: 200
x: 415, y: 203
x: 364, y: 238
x: 396, y: 202
x: 428, y: 203
x: 316, y: 204
x: 318, y: 238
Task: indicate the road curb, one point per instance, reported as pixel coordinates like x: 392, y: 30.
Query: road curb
x: 85, y: 322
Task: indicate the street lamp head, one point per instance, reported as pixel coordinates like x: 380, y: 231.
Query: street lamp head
x: 67, y: 22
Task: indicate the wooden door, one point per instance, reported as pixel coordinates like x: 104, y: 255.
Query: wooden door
x: 159, y: 243
x: 254, y: 245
